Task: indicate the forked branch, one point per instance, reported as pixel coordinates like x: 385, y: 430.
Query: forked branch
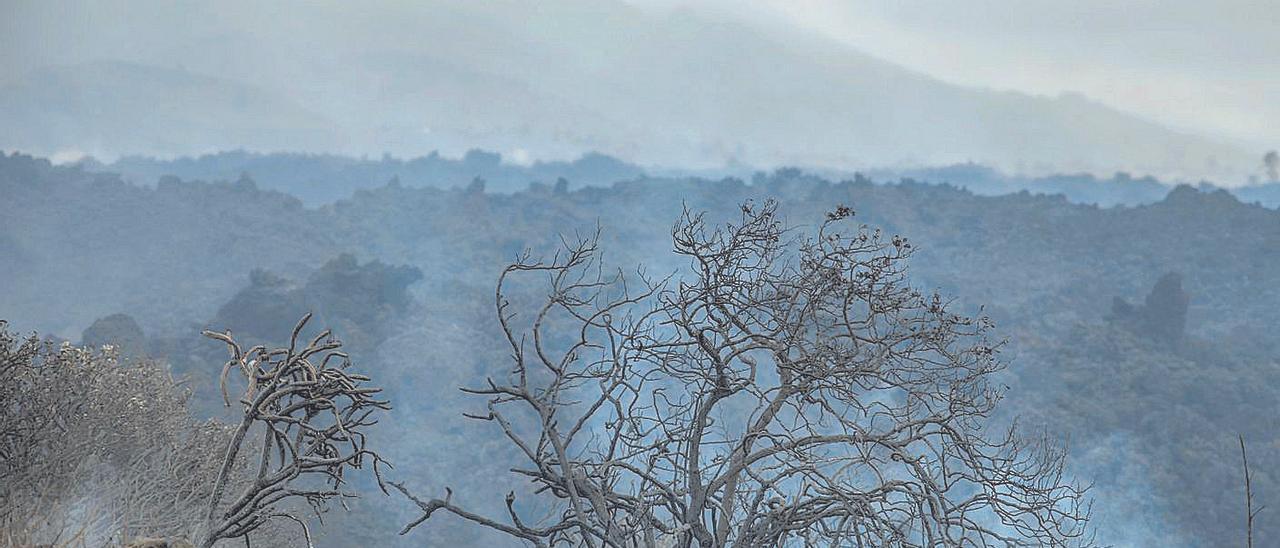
x: 306, y: 416
x: 782, y: 391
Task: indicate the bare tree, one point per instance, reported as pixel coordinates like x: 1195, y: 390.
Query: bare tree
x: 1249, y: 512
x: 787, y: 390
x: 311, y: 414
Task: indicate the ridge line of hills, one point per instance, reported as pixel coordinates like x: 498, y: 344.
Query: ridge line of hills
x: 679, y: 87
x: 318, y: 179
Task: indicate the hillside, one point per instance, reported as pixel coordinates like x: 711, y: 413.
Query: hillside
x: 319, y: 179
x: 111, y: 107
x: 81, y: 246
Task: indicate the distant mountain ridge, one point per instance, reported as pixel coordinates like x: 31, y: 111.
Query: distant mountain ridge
x: 557, y: 79
x: 109, y: 107
x: 318, y: 179
x: 325, y: 178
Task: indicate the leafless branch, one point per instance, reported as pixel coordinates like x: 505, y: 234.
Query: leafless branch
x: 311, y: 414
x: 1249, y: 512
x: 785, y: 390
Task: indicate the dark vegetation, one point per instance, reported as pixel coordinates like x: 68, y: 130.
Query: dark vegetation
x: 1143, y: 333
x: 1119, y: 189
x: 359, y: 300
x: 319, y: 179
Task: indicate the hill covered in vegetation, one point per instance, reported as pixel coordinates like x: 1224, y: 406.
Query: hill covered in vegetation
x: 1143, y: 332
x: 318, y: 179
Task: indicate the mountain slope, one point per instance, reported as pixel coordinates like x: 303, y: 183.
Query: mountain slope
x: 555, y: 79
x: 111, y: 107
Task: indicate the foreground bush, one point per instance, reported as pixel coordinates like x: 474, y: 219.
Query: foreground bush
x: 95, y: 449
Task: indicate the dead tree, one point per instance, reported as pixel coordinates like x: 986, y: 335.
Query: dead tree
x: 785, y: 390
x: 311, y: 415
x: 1249, y: 512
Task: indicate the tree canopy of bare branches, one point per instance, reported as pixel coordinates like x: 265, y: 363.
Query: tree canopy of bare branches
x: 787, y: 389
x: 311, y: 414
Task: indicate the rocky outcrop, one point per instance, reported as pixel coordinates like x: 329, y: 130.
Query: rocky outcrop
x: 118, y: 330
x: 1162, y: 316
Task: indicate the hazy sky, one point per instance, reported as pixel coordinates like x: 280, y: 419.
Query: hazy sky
x: 1208, y: 66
